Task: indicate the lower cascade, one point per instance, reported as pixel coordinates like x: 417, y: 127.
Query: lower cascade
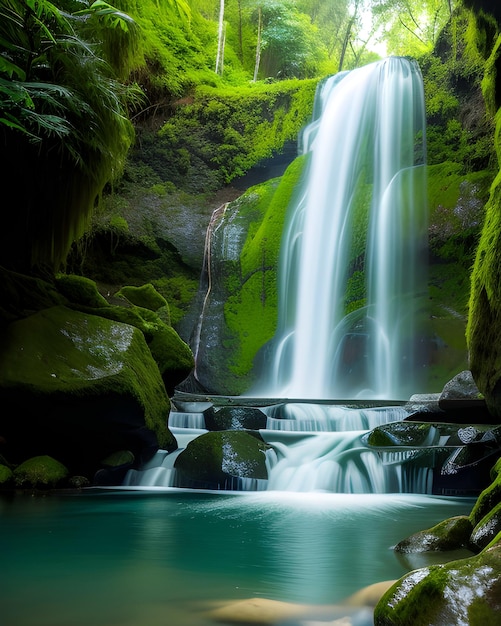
x: 327, y: 448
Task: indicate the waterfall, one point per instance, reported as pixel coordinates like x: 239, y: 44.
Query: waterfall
x: 351, y: 275
x: 352, y: 285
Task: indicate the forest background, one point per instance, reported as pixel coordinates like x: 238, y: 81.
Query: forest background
x: 123, y: 128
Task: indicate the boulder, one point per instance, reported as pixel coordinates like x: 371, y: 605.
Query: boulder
x: 487, y: 529
x: 172, y: 355
x: 79, y: 387
x: 450, y: 534
x: 234, y: 418
x: 218, y: 460
x: 466, y: 591
x: 40, y: 472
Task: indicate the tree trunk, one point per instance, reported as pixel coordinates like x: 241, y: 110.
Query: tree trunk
x: 258, y: 45
x: 220, y: 40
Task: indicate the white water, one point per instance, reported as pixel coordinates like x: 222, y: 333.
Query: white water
x: 362, y: 209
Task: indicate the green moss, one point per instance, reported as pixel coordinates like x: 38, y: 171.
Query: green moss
x: 6, y: 475
x: 40, y: 472
x: 400, y: 434
x: 215, y: 456
x: 491, y: 79
x: 145, y: 296
x: 486, y: 501
x: 225, y: 131
x: 116, y: 459
x: 410, y: 607
x: 21, y: 295
x: 251, y: 309
x: 80, y: 290
x: 59, y: 352
x: 450, y: 534
x: 485, y: 300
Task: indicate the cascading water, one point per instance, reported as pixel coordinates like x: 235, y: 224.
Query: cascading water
x: 361, y: 213
x: 351, y: 292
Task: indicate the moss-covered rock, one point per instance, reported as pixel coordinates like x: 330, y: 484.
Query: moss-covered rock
x: 234, y: 418
x: 487, y: 529
x: 80, y: 290
x: 489, y: 498
x: 83, y: 387
x: 467, y: 591
x: 216, y: 460
x: 484, y: 321
x: 22, y: 295
x: 6, y: 476
x: 450, y: 534
x: 238, y: 294
x: 172, y: 355
x: 145, y: 296
x: 40, y: 472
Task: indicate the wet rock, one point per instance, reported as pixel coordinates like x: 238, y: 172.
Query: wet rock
x: 234, y: 418
x: 460, y: 456
x: 450, y: 534
x: 487, y: 529
x: 489, y: 498
x: 460, y: 388
x: 218, y: 460
x: 467, y: 591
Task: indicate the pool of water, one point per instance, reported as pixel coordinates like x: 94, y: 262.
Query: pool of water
x: 164, y: 556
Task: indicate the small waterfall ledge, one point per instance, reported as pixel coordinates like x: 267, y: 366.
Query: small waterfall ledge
x: 326, y: 448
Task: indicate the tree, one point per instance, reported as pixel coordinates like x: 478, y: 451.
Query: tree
x: 64, y: 132
x: 289, y: 45
x: 220, y: 40
x: 411, y: 26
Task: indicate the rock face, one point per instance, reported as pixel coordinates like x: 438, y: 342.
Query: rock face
x: 237, y: 301
x: 79, y: 388
x: 484, y: 320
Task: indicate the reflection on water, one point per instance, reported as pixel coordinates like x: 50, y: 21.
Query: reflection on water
x: 148, y: 558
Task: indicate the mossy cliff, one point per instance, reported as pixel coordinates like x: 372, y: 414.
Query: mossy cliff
x: 484, y: 321
x: 239, y: 290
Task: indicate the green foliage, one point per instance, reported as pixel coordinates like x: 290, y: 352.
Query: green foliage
x: 174, y: 48
x: 6, y: 475
x: 179, y: 291
x: 63, y: 124
x: 224, y: 132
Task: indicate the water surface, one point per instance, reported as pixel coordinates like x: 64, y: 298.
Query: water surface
x: 156, y: 557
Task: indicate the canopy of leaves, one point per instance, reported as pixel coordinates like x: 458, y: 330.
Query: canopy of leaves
x: 62, y: 121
